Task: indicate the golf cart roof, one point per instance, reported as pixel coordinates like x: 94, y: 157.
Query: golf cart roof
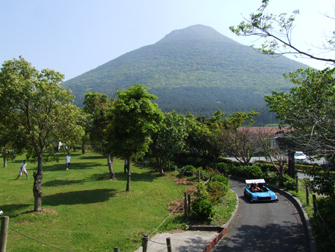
x: 257, y: 181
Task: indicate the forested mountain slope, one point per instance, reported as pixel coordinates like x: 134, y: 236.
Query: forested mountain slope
x: 194, y: 69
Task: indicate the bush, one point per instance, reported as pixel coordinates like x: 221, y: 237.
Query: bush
x: 189, y: 170
x: 221, y: 178
x: 202, y: 209
x: 247, y: 172
x: 216, y: 190
x: 290, y: 183
x: 255, y: 172
x: 201, y: 190
x: 271, y: 177
x: 222, y: 167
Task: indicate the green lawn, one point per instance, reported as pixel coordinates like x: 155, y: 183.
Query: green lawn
x: 83, y: 209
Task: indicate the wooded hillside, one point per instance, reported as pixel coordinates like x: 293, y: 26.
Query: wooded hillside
x: 195, y: 69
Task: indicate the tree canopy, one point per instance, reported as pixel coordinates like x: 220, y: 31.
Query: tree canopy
x: 134, y: 117
x: 35, y: 106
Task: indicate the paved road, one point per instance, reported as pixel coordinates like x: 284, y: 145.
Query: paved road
x: 320, y: 162
x: 264, y: 227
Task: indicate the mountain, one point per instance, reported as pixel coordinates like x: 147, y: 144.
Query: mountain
x: 194, y: 69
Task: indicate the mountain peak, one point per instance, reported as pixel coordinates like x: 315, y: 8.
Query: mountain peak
x: 196, y: 32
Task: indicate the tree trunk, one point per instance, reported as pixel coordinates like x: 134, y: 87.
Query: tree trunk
x: 110, y: 167
x: 37, y: 190
x: 161, y: 170
x: 291, y: 166
x: 4, y: 161
x: 83, y: 146
x: 128, y: 174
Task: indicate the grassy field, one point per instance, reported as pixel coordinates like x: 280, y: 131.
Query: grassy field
x: 85, y: 211
x: 82, y: 209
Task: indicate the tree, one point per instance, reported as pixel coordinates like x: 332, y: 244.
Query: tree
x: 267, y: 140
x: 279, y: 30
x: 240, y: 143
x: 196, y: 141
x: 98, y: 107
x: 41, y: 110
x: 309, y: 110
x: 133, y: 119
x: 10, y: 142
x: 169, y: 138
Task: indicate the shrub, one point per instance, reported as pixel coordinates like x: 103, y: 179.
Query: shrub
x: 203, y: 174
x: 189, y: 170
x: 202, y: 209
x: 255, y: 172
x: 271, y: 177
x: 252, y: 171
x: 290, y: 183
x: 221, y: 178
x: 222, y: 167
x: 201, y: 190
x: 216, y: 190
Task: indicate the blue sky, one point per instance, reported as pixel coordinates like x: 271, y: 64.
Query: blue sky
x: 75, y: 36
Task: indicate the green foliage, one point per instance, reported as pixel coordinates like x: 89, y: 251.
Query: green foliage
x: 198, y: 74
x: 220, y: 178
x: 201, y: 190
x: 216, y: 190
x: 247, y: 172
x: 287, y: 181
x: 188, y: 170
x: 133, y: 119
x: 168, y: 139
x: 324, y: 238
x: 202, y: 209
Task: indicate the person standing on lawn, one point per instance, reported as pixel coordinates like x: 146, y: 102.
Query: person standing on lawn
x: 23, y: 169
x: 68, y: 161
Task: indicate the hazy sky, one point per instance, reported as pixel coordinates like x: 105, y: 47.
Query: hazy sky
x: 75, y: 36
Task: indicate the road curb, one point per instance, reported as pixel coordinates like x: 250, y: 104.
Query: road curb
x: 306, y: 221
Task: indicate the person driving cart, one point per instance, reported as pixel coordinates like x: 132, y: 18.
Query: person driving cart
x: 255, y: 188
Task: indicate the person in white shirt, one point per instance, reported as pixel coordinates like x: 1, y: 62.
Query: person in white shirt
x: 68, y: 161
x: 23, y: 169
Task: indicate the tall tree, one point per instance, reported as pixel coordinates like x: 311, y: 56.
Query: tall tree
x: 309, y: 110
x: 41, y: 108
x: 240, y: 143
x: 169, y: 139
x: 133, y: 119
x: 267, y: 139
x: 98, y: 107
x: 198, y: 131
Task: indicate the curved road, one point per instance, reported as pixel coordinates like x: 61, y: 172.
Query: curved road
x: 274, y: 226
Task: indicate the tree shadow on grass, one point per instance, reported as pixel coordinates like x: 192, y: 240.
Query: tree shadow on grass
x: 121, y: 176
x: 272, y: 237
x: 62, y: 182
x: 94, y: 157
x: 79, y: 197
x: 10, y: 210
x: 73, y: 166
